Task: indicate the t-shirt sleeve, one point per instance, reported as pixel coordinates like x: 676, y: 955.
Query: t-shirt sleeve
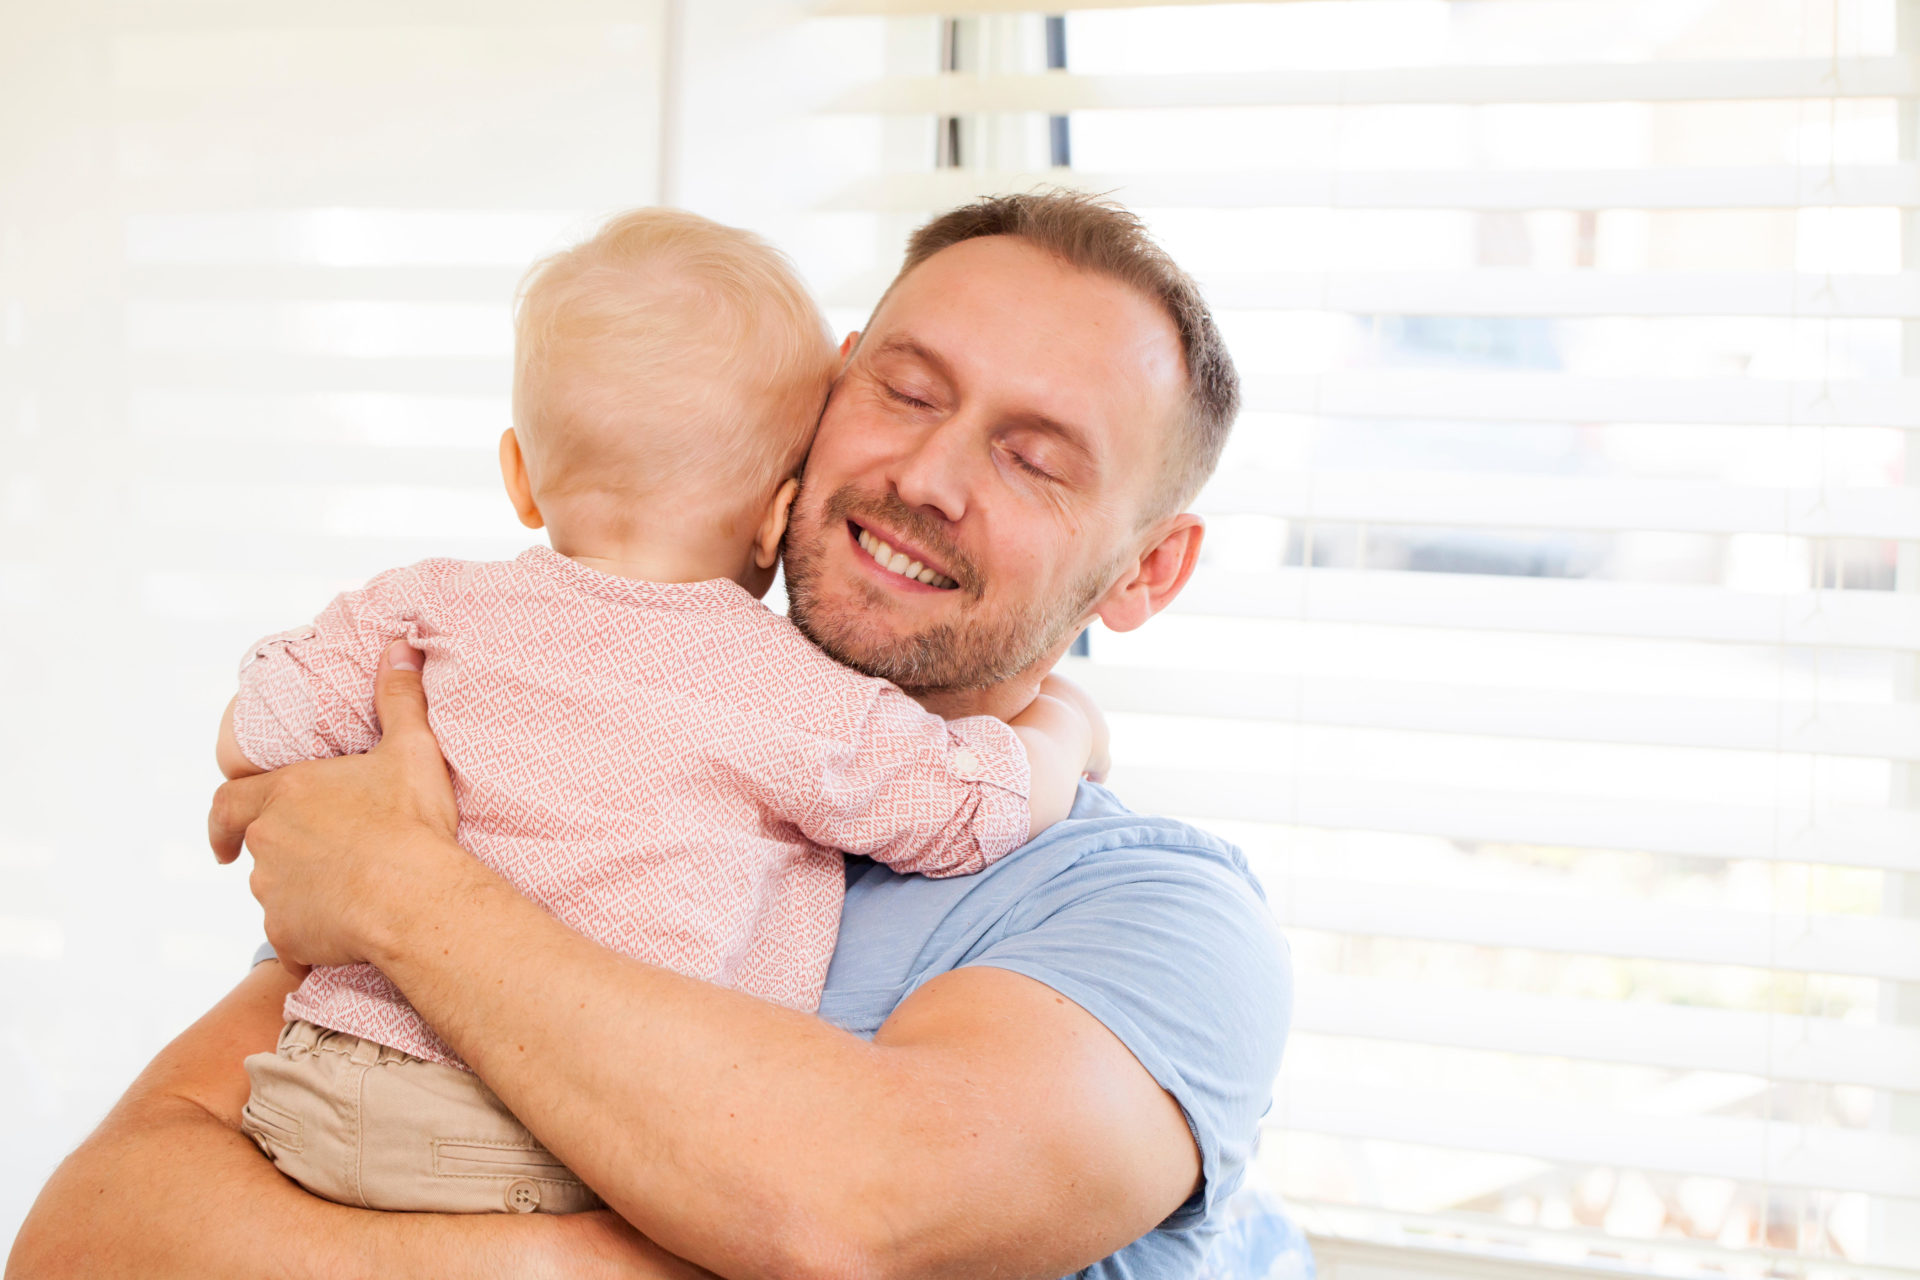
x: 1176, y: 953
x: 919, y: 793
x: 307, y: 693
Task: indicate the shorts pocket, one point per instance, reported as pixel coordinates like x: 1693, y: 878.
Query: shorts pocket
x: 272, y: 1126
x: 467, y: 1158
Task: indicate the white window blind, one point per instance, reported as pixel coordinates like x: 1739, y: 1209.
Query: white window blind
x: 256, y: 264
x: 1556, y: 647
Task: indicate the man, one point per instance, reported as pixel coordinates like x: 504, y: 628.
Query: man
x: 1068, y: 1054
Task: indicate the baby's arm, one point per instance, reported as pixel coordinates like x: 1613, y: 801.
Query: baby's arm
x: 307, y: 694
x: 923, y: 794
x: 226, y: 748
x: 1065, y: 737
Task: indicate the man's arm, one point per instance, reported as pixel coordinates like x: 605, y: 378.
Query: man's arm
x: 992, y: 1127
x: 167, y: 1186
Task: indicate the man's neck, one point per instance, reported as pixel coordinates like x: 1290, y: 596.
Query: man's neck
x: 1002, y: 701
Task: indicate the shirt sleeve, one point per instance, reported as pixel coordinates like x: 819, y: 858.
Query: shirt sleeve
x: 1176, y: 953
x: 307, y: 693
x: 922, y: 794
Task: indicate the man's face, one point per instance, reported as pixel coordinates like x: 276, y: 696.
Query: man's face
x: 1000, y: 426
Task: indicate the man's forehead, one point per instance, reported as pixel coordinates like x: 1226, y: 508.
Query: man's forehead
x: 1011, y: 317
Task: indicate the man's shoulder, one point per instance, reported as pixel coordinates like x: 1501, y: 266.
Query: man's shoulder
x: 1101, y: 827
x: 1104, y: 850
x: 1087, y: 884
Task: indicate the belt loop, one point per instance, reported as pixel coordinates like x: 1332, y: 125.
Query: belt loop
x: 365, y: 1052
x: 299, y: 1037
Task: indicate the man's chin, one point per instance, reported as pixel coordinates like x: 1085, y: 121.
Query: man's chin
x: 852, y: 628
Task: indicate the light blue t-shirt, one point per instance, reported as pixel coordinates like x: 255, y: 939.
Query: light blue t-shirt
x: 1154, y: 927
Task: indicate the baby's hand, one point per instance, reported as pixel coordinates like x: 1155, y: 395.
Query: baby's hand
x: 1100, y: 759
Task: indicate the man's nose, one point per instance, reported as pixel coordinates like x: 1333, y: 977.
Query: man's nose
x: 938, y: 473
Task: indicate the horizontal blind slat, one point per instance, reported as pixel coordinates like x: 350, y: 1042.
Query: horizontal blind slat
x: 1855, y: 945
x: 1571, y: 294
x: 1559, y: 606
x: 1464, y: 1245
x: 274, y: 283
x: 1509, y: 291
x: 272, y: 371
x: 1717, y: 80
x: 1642, y: 1033
x: 1846, y: 837
x: 1516, y: 396
x: 494, y: 178
x: 1550, y: 502
x: 1778, y: 1153
x: 1673, y: 187
x: 243, y: 15
x: 913, y: 8
x: 1880, y: 731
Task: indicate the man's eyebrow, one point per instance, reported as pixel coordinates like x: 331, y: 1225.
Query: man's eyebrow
x: 902, y: 345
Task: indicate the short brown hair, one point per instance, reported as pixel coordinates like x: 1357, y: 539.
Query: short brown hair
x: 1100, y: 236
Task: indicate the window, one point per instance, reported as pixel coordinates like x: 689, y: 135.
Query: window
x: 1554, y: 655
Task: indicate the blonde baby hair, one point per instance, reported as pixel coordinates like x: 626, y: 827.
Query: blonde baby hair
x: 667, y: 354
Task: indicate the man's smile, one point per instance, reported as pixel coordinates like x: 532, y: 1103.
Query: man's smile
x: 907, y: 567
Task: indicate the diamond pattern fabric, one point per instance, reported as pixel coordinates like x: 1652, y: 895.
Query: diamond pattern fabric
x: 669, y: 768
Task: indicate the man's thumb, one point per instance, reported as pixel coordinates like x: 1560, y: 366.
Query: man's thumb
x: 397, y: 695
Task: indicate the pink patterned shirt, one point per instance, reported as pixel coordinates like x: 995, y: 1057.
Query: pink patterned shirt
x: 669, y: 768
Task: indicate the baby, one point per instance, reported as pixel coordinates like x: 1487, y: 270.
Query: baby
x: 635, y: 741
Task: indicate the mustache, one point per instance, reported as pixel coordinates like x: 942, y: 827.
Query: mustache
x: 846, y: 503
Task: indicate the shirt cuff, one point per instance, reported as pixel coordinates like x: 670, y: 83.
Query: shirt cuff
x: 987, y: 750
x: 275, y: 714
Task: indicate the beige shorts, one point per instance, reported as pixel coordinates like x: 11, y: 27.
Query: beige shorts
x: 366, y: 1125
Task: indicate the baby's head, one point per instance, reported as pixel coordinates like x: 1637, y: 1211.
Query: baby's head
x: 668, y: 375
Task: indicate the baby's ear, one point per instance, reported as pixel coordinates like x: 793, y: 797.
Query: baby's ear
x: 766, y: 543
x: 513, y: 471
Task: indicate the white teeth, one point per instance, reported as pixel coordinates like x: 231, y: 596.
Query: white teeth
x: 896, y: 561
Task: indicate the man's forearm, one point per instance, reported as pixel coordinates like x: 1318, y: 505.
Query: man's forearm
x: 717, y: 1124
x: 757, y: 1141
x: 167, y: 1186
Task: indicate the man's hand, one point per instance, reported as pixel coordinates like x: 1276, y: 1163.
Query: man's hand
x: 333, y: 841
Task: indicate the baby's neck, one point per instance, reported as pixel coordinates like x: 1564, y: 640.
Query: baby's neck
x: 650, y: 559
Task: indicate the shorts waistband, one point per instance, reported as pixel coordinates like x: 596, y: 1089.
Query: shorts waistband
x: 300, y: 1037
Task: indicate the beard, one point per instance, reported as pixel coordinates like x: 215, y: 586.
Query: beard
x: 986, y: 646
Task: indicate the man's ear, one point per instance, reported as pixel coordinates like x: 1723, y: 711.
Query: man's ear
x: 847, y: 344
x: 766, y: 543
x: 513, y: 470
x: 1157, y: 577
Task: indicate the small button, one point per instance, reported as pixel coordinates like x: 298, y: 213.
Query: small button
x: 966, y: 764
x: 523, y: 1196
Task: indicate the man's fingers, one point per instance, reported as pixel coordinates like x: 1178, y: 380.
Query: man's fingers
x: 235, y: 805
x: 398, y: 697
